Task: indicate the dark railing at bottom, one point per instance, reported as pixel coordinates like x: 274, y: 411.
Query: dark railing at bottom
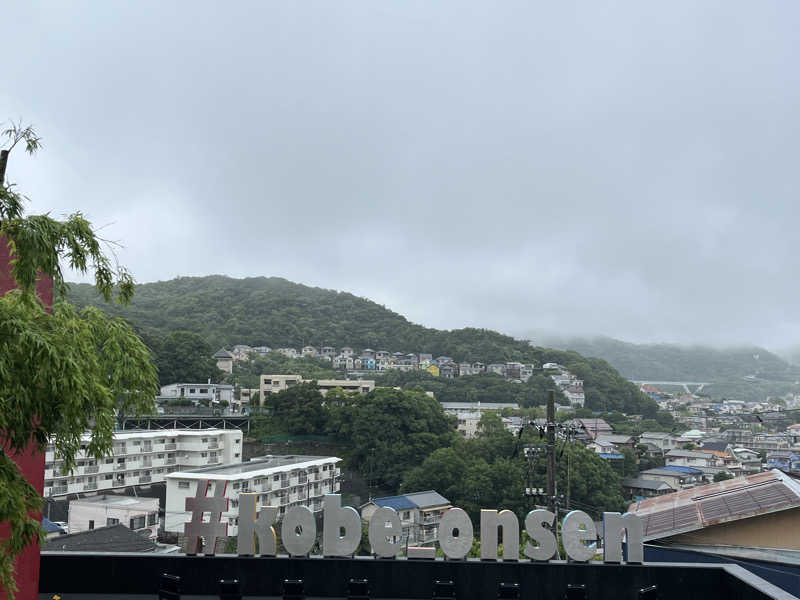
x: 115, y: 575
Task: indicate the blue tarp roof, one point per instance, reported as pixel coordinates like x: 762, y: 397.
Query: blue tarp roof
x: 687, y: 470
x: 608, y: 455
x: 395, y: 502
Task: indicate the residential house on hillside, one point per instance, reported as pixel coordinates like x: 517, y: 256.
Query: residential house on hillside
x: 347, y: 351
x: 287, y: 352
x: 328, y: 352
x: 687, y: 458
x: 419, y: 512
x: 749, y: 459
x: 636, y: 487
x: 591, y: 428
x: 224, y: 360
x: 677, y: 478
x: 205, y: 393
x: 620, y: 441
x: 309, y: 351
x: 664, y: 441
x: 784, y: 460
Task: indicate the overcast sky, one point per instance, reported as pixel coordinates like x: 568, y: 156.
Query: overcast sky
x: 619, y: 168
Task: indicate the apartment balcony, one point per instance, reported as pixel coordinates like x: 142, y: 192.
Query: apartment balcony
x: 58, y: 491
x: 431, y: 519
x: 145, y: 479
x: 147, y: 463
x: 213, y: 461
x: 91, y: 469
x: 120, y: 467
x: 170, y: 446
x: 172, y: 461
x: 120, y: 450
x: 302, y: 480
x: 89, y: 487
x: 213, y: 445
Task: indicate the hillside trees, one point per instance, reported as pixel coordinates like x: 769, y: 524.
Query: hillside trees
x: 487, y: 472
x: 62, y: 372
x: 183, y: 356
x: 277, y: 313
x: 389, y: 432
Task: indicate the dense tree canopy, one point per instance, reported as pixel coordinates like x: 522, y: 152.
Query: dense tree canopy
x: 389, y: 431
x: 183, y: 356
x: 491, y: 472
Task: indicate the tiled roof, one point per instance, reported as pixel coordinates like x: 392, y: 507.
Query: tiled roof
x: 716, y: 446
x: 715, y: 503
x: 116, y: 538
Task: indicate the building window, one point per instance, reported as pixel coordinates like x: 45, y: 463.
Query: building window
x: 109, y: 476
x: 183, y: 485
x: 110, y: 522
x: 91, y: 524
x: 152, y: 518
x: 137, y: 522
x: 203, y: 390
x: 236, y: 485
x: 238, y: 441
x: 204, y: 440
x: 236, y: 455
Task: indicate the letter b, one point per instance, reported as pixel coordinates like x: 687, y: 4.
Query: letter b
x: 336, y: 518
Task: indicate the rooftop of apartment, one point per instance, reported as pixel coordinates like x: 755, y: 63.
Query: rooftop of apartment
x: 255, y: 467
x: 114, y: 501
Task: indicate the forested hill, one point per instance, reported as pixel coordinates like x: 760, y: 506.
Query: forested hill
x: 669, y: 362
x: 277, y: 313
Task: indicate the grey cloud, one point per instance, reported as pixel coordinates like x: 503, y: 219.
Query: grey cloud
x: 614, y: 168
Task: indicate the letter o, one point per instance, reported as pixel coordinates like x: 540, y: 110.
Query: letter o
x: 298, y: 544
x: 455, y: 546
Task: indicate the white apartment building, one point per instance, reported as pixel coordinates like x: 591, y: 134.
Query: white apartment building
x: 137, y: 514
x: 208, y: 392
x: 141, y: 458
x: 272, y: 384
x: 283, y: 481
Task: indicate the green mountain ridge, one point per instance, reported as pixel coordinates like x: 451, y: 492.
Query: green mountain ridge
x: 276, y: 312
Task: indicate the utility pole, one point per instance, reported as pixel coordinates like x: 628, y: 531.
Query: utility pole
x: 551, y: 451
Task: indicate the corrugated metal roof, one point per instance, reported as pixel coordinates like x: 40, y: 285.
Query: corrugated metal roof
x: 715, y: 503
x: 428, y: 499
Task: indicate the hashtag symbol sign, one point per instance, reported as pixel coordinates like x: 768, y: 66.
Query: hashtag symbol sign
x: 201, y: 536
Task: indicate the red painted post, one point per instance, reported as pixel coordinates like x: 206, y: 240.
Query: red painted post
x: 31, y: 462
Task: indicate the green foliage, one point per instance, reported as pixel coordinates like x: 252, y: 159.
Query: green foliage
x: 486, y: 387
x: 487, y: 472
x: 183, y: 356
x: 298, y: 410
x: 277, y: 313
x: 61, y: 373
x: 722, y: 476
x: 389, y: 432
